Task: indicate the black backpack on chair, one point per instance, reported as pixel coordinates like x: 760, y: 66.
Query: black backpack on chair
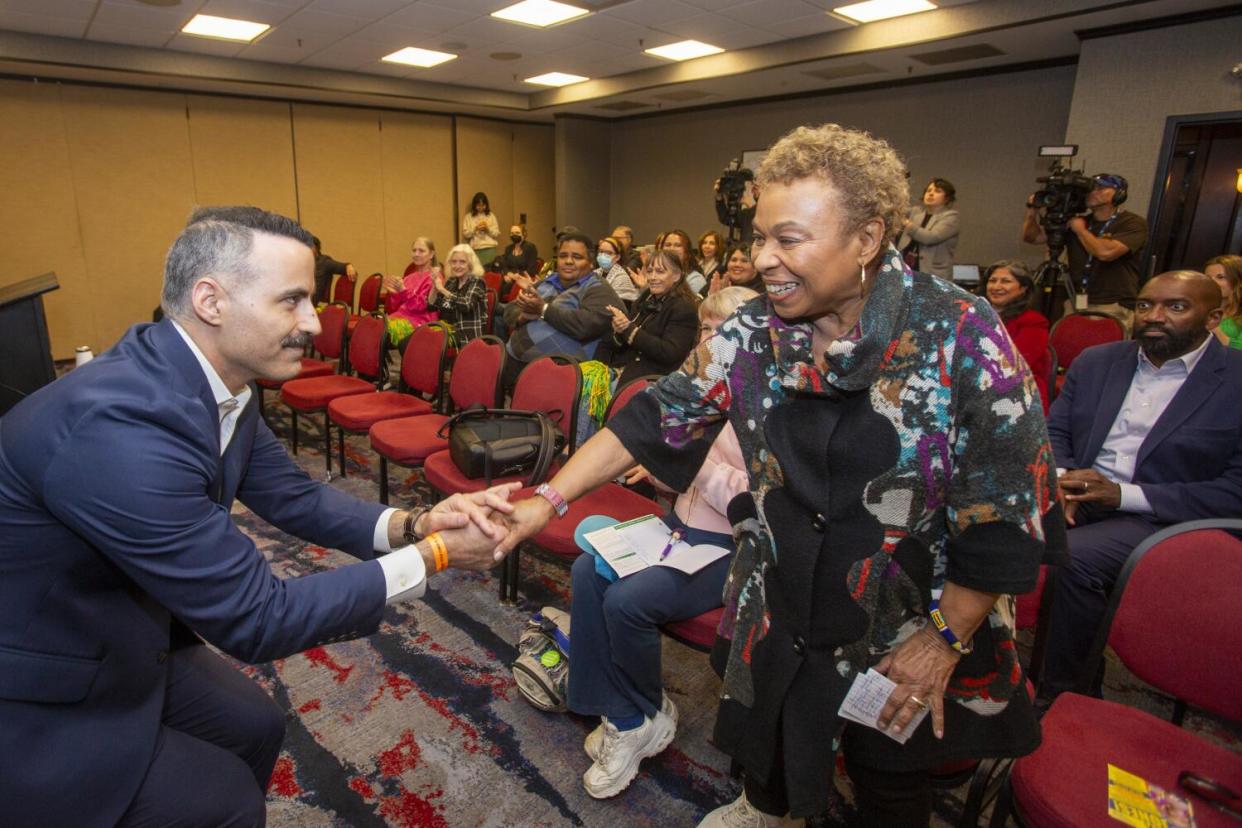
x: 499, y: 442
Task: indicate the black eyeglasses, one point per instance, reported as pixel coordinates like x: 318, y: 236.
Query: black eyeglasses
x: 1219, y: 796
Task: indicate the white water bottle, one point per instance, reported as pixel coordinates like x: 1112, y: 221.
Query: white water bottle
x: 82, y: 355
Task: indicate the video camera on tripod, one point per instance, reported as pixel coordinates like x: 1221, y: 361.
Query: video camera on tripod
x: 730, y: 194
x: 1062, y: 197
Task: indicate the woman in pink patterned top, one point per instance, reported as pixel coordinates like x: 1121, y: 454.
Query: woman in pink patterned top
x: 405, y: 298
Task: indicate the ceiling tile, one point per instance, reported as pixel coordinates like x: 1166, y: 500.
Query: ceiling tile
x: 144, y: 17
x: 539, y: 41
x: 254, y: 10
x: 365, y: 9
x: 128, y: 35
x: 651, y: 12
x: 604, y: 27
x: 717, y: 5
x: 273, y: 53
x: 68, y: 9
x: 41, y: 24
x: 324, y: 23
x: 387, y: 37
x: 764, y: 13
x: 429, y: 19
x: 473, y: 6
x: 803, y: 26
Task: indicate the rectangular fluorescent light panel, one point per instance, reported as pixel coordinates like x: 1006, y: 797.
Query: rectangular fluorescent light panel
x: 685, y: 50
x: 556, y: 79
x: 873, y: 10
x: 224, y: 28
x: 424, y: 58
x: 539, y: 12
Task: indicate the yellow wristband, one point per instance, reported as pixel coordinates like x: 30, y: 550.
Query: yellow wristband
x: 438, y: 550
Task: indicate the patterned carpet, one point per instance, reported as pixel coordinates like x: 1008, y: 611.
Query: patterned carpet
x: 420, y: 724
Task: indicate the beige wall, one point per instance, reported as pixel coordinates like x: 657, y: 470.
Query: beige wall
x: 1129, y: 85
x: 585, y: 155
x: 980, y: 133
x: 513, y: 164
x: 98, y: 182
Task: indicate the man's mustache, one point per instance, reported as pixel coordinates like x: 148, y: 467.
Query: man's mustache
x: 297, y: 340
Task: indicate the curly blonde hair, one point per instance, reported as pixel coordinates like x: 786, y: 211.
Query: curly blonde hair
x: 866, y: 171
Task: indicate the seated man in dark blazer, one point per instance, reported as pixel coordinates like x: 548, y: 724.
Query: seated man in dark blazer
x: 117, y: 550
x: 1148, y: 433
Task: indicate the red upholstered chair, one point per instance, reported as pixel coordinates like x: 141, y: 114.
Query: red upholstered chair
x: 368, y: 299
x: 419, y: 389
x: 698, y: 632
x: 489, y: 313
x: 409, y: 441
x: 1053, y: 368
x: 342, y: 291
x: 493, y: 280
x: 329, y: 344
x: 1173, y: 622
x: 551, y: 384
x: 367, y: 349
x: 1075, y: 333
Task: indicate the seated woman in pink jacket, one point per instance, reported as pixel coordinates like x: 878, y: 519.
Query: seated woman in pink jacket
x: 614, y: 671
x: 405, y: 298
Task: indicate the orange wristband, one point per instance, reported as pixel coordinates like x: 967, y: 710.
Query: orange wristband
x: 438, y: 550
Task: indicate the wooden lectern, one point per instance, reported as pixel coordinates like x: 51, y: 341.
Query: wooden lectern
x: 25, y: 350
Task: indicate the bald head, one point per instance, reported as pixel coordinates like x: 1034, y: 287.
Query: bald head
x: 1174, y: 313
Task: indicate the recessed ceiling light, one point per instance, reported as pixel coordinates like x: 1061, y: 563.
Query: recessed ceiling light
x: 873, y: 10
x: 556, y: 79
x: 539, y: 12
x: 424, y: 58
x: 685, y: 50
x: 224, y: 28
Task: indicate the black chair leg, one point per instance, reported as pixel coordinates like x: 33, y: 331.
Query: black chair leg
x: 327, y: 442
x: 341, y: 446
x: 293, y: 418
x: 383, y: 479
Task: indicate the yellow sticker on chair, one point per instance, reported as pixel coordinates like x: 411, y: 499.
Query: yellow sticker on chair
x: 1133, y: 801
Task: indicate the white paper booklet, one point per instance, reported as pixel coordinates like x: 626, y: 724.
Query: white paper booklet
x: 867, y: 697
x: 636, y: 544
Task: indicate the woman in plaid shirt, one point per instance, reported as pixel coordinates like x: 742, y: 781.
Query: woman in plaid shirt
x: 461, y: 295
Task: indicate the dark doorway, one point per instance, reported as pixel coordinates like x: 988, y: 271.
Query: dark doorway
x: 1196, y: 202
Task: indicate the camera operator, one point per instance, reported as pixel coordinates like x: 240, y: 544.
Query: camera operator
x: 735, y: 202
x: 1103, y: 249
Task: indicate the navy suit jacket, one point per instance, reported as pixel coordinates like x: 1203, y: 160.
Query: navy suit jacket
x: 115, y: 532
x: 1190, y: 465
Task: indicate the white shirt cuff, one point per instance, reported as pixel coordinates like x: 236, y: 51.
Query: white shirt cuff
x: 1133, y: 499
x: 405, y: 574
x: 379, y: 540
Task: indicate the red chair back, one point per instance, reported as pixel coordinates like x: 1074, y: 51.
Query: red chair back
x: 1052, y: 373
x: 488, y: 319
x: 343, y: 290
x: 493, y: 280
x: 551, y: 384
x: 366, y: 346
x: 627, y: 392
x: 333, y: 323
x: 422, y: 366
x: 1073, y: 334
x: 476, y: 373
x: 1175, y: 620
x: 368, y: 294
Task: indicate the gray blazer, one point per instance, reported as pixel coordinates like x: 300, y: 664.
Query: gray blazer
x: 937, y: 241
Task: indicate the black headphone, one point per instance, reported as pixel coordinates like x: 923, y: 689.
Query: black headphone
x: 1121, y: 192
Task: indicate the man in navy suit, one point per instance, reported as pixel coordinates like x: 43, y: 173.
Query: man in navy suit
x: 1147, y: 433
x: 117, y: 550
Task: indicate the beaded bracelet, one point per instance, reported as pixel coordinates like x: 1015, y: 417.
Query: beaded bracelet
x: 411, y: 521
x: 943, y: 628
x: 438, y: 550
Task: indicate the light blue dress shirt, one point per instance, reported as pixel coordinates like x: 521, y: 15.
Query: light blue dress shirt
x: 1151, y: 391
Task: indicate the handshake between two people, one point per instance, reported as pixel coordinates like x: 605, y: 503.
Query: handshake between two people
x: 480, y: 529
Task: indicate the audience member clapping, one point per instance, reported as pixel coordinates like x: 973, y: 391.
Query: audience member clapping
x: 739, y: 271
x: 678, y: 243
x: 519, y: 257
x: 460, y: 297
x: 405, y: 297
x: 710, y: 255
x: 1010, y: 289
x: 612, y: 269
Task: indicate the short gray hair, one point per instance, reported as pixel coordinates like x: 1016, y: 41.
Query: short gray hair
x: 865, y: 170
x: 219, y: 240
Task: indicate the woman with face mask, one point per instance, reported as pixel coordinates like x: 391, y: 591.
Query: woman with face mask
x: 612, y: 269
x: 520, y: 257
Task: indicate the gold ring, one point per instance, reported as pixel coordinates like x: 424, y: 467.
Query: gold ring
x: 917, y: 701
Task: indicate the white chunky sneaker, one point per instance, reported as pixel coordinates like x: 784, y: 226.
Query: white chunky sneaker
x: 620, y: 753
x: 595, y: 737
x: 741, y: 814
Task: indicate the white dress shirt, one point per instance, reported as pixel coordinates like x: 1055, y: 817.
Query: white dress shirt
x: 405, y: 572
x: 1151, y: 391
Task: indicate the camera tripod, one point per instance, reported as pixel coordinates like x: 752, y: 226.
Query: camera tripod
x: 1050, y: 274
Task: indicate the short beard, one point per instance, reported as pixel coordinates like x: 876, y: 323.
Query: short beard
x: 1171, y: 346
